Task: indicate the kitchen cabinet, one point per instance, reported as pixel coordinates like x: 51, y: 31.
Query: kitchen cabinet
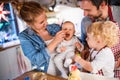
x: 8, y: 63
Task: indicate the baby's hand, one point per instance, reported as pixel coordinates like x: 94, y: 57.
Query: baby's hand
x: 63, y: 49
x: 78, y: 45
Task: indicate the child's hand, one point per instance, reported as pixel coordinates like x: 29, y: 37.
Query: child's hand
x: 77, y: 58
x: 77, y: 52
x: 63, y: 48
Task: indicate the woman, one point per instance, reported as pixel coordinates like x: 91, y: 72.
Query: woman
x: 33, y: 38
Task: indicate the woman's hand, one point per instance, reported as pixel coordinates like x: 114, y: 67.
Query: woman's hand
x: 59, y: 37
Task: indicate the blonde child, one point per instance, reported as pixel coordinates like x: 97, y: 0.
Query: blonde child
x: 66, y: 48
x: 100, y: 37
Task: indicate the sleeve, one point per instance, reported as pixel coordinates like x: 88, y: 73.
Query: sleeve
x: 37, y: 54
x: 58, y: 49
x: 84, y: 24
x: 83, y: 33
x: 53, y: 29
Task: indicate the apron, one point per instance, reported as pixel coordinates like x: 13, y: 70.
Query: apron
x: 100, y: 72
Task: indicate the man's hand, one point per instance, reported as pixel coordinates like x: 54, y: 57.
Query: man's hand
x: 117, y: 65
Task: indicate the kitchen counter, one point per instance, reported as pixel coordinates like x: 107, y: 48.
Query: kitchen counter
x: 33, y: 75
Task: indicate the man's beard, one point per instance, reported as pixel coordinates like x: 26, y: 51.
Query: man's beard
x: 98, y: 17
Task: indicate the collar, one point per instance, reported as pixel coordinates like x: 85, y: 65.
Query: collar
x: 30, y: 31
x: 110, y: 16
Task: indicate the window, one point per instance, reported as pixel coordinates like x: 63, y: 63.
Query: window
x: 8, y: 24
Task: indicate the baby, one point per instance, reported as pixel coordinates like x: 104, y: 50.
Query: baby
x: 66, y: 49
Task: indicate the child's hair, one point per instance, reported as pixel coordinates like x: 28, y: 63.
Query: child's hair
x: 28, y: 10
x: 68, y: 22
x: 107, y: 31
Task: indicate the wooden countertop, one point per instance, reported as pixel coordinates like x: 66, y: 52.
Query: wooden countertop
x: 35, y: 75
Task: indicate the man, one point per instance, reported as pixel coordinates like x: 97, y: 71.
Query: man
x: 99, y: 10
